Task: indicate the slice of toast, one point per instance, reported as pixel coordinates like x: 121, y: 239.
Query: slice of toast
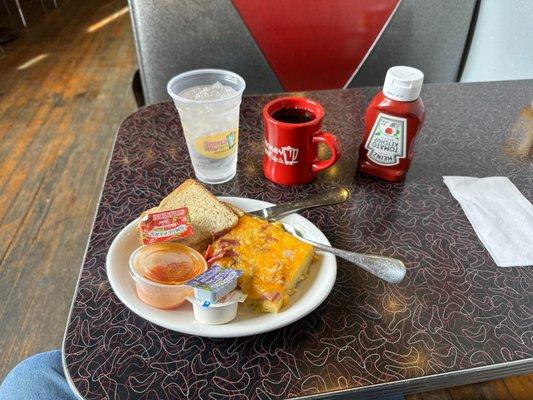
x: 208, y: 215
x: 235, y: 209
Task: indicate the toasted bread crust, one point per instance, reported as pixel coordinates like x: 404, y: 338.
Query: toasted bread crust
x: 186, y: 184
x: 238, y: 212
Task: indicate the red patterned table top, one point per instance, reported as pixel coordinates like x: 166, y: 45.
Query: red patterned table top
x: 456, y: 318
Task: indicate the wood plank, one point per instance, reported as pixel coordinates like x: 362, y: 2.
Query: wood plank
x: 58, y: 120
x: 512, y: 388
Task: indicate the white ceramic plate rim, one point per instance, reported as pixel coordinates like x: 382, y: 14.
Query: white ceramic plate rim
x: 321, y: 286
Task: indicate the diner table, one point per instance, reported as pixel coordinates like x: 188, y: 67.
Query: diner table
x: 456, y: 318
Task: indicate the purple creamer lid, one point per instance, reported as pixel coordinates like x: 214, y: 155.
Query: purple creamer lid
x: 214, y: 283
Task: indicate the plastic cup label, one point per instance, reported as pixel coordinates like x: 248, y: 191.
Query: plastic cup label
x: 218, y: 145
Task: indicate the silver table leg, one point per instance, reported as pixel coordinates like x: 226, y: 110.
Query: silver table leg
x: 21, y: 14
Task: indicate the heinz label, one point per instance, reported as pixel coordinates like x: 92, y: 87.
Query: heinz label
x: 386, y: 143
x: 158, y: 227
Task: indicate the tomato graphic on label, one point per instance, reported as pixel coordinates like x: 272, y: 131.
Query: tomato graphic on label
x: 386, y: 140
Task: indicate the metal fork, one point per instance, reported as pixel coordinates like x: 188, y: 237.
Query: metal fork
x: 391, y: 270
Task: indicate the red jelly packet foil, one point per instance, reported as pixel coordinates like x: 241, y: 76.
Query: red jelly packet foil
x: 163, y: 226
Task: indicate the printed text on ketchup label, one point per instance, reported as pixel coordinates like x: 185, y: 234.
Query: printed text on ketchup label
x: 387, y: 140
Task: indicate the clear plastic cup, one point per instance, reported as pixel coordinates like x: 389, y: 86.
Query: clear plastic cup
x: 153, y: 260
x: 209, y: 113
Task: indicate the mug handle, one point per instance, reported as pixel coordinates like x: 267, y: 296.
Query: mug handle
x: 334, y: 146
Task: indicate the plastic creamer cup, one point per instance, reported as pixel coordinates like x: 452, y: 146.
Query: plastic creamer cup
x: 214, y: 283
x: 221, y: 312
x: 208, y: 102
x: 215, y: 301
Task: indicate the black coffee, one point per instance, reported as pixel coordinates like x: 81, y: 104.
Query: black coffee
x: 293, y: 115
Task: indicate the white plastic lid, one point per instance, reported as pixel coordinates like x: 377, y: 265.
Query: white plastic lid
x: 403, y: 83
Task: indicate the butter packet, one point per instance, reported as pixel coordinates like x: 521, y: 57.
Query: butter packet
x: 214, y: 283
x: 163, y: 226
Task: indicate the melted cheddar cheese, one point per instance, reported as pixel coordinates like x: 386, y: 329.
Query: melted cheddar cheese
x: 272, y: 261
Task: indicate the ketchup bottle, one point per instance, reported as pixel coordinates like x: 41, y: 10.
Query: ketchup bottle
x: 392, y: 121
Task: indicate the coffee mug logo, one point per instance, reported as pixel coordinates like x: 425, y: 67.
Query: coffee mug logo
x: 286, y: 155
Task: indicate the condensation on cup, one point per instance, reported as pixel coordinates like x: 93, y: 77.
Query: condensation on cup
x: 208, y: 103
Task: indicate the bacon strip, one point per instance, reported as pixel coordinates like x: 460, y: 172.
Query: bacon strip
x: 218, y: 235
x: 270, y: 296
x: 208, y: 252
x: 228, y: 242
x: 217, y: 255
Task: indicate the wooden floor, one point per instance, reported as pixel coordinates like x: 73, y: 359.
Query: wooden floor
x: 58, y: 117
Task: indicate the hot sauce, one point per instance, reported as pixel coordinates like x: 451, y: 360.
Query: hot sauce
x: 171, y: 273
x: 392, y: 121
x: 161, y: 270
x: 168, y: 263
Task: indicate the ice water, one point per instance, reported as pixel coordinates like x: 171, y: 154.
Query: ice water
x: 211, y: 126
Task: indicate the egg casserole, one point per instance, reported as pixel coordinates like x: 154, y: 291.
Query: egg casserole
x: 272, y: 260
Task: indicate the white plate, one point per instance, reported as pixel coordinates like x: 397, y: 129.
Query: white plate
x: 310, y: 292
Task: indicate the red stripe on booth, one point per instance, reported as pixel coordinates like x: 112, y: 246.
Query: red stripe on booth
x: 315, y: 44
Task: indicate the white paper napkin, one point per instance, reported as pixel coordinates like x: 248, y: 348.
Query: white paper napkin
x: 501, y: 216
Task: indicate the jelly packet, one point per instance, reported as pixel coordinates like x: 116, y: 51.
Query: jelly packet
x: 214, y: 283
x: 163, y: 226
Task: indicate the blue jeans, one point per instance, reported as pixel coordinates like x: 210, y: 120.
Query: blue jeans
x: 38, y: 377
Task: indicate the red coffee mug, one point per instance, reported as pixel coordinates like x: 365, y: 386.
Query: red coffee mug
x: 292, y: 133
